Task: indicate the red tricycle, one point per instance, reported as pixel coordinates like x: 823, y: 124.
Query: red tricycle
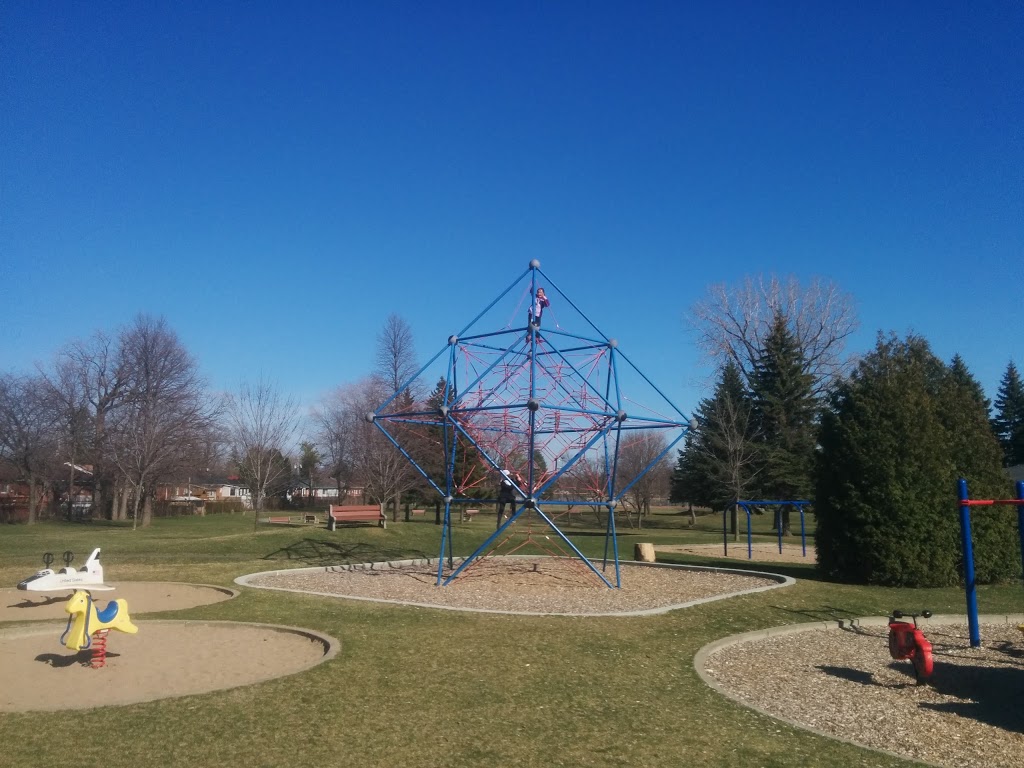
x: 906, y: 641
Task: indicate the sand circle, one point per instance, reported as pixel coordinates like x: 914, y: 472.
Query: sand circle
x: 166, y: 659
x: 141, y: 596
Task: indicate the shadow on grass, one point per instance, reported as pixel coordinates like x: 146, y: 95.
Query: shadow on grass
x: 793, y: 570
x: 317, y: 552
x: 824, y: 613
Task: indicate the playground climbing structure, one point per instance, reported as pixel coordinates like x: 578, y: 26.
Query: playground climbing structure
x: 560, y: 407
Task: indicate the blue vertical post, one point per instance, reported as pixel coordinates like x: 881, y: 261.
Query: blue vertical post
x: 778, y: 520
x: 803, y: 530
x: 1020, y: 521
x: 968, y: 552
x: 750, y: 540
x: 725, y: 531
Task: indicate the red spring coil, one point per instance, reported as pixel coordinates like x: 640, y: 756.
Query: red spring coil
x: 99, y: 649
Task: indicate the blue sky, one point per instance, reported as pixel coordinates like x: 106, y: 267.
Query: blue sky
x: 275, y: 179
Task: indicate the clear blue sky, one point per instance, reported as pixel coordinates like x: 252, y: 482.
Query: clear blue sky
x: 275, y: 179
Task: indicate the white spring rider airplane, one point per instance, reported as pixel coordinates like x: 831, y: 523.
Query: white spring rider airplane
x: 89, y: 576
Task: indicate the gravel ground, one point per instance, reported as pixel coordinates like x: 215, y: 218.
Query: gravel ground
x: 843, y: 682
x: 523, y: 585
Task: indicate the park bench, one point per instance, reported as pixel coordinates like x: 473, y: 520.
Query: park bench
x: 417, y: 512
x: 355, y: 514
x: 293, y: 519
x: 468, y: 514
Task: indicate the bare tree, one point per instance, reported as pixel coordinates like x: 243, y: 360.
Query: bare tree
x: 27, y: 434
x: 98, y: 368
x: 395, y: 356
x: 373, y: 461
x: 639, y: 464
x: 732, y: 323
x: 68, y: 400
x: 261, y: 424
x: 336, y: 424
x: 166, y: 419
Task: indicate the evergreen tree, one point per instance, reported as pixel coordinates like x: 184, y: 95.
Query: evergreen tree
x: 975, y: 454
x: 689, y: 481
x: 719, y: 459
x: 1008, y: 421
x: 896, y: 436
x: 884, y: 516
x: 784, y: 415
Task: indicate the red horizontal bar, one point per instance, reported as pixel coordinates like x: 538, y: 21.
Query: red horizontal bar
x: 989, y: 502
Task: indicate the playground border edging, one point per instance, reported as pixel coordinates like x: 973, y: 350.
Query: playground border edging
x: 781, y: 581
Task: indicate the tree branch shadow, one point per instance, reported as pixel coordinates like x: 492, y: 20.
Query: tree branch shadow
x: 318, y: 552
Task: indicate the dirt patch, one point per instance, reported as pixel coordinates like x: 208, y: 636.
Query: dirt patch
x: 141, y: 596
x: 165, y: 659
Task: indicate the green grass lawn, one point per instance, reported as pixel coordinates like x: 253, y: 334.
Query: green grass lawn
x: 423, y: 687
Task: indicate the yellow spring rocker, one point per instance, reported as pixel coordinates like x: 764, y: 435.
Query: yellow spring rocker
x: 86, y: 622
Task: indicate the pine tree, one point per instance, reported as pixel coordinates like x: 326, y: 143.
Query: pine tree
x: 689, y: 480
x: 719, y: 459
x: 784, y: 416
x: 1008, y: 421
x: 895, y: 438
x: 976, y: 455
x: 884, y: 480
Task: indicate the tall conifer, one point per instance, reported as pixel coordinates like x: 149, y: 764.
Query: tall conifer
x: 975, y: 454
x: 1008, y: 419
x: 897, y: 435
x: 784, y: 413
x: 884, y: 513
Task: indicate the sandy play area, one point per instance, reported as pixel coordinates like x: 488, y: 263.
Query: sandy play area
x: 164, y: 659
x: 142, y: 597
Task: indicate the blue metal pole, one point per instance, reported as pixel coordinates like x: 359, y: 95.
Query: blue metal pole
x: 725, y: 531
x: 551, y: 284
x: 1020, y: 521
x: 778, y: 521
x: 803, y: 531
x: 445, y: 529
x: 500, y: 297
x: 750, y: 541
x: 968, y: 552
